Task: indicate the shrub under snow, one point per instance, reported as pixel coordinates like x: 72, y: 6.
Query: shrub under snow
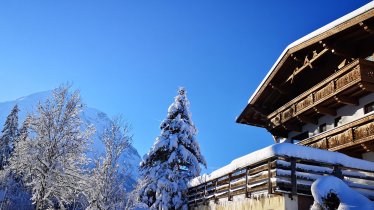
x: 330, y: 192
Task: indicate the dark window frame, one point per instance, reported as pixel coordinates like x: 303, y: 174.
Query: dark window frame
x: 322, y: 127
x: 337, y: 120
x: 300, y: 137
x: 369, y: 107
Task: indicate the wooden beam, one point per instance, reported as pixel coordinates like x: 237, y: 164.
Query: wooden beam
x: 346, y: 100
x: 367, y: 86
x: 251, y: 119
x: 368, y: 146
x: 366, y: 28
x: 342, y: 64
x: 279, y: 90
x: 306, y: 119
x: 260, y: 109
x: 325, y: 111
x: 307, y: 63
x: 290, y: 127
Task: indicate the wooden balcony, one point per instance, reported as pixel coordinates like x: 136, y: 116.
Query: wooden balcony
x: 278, y: 175
x: 343, y: 87
x: 349, y: 135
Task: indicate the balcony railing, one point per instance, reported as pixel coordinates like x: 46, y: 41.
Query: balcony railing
x: 358, y: 74
x: 356, y: 132
x: 280, y: 174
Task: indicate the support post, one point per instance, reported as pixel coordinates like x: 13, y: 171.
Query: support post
x: 195, y: 196
x: 270, y: 187
x: 205, y: 193
x: 215, y: 191
x: 247, y: 193
x: 293, y: 177
x: 337, y: 172
x: 230, y: 197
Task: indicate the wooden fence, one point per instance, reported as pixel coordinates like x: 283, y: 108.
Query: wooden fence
x: 278, y: 175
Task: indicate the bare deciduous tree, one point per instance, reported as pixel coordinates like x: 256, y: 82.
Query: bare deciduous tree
x: 51, y: 158
x: 108, y: 178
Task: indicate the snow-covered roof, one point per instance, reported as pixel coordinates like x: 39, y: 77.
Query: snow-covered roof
x: 288, y: 150
x: 315, y: 33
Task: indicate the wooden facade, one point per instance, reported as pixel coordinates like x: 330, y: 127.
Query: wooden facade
x: 344, y: 87
x: 356, y: 133
x: 315, y: 78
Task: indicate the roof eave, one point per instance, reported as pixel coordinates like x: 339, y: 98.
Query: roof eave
x: 312, y: 38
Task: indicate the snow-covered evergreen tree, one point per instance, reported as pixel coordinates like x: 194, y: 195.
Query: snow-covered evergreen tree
x: 24, y: 130
x: 8, y: 136
x: 51, y: 158
x: 108, y: 179
x: 16, y: 195
x: 172, y: 161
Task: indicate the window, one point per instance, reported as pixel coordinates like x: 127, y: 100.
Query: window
x: 322, y: 128
x: 300, y: 137
x: 369, y: 107
x: 337, y: 121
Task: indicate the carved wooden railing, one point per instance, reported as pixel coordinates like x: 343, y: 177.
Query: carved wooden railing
x: 355, y: 132
x: 358, y: 73
x: 308, y: 101
x: 278, y: 175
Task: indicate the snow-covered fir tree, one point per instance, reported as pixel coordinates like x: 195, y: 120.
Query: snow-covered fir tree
x: 172, y: 161
x: 51, y: 158
x: 16, y: 195
x: 24, y: 130
x: 8, y: 136
x: 108, y: 179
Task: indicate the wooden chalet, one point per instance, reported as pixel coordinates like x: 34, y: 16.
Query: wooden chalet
x: 320, y: 94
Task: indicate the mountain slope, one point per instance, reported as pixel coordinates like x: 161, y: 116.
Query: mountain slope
x: 98, y: 119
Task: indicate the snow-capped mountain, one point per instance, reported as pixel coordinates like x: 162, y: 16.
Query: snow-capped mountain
x: 98, y: 119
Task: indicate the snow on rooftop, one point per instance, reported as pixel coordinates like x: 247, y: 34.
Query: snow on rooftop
x: 315, y: 33
x: 288, y: 150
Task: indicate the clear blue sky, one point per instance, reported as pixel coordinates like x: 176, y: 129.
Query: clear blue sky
x: 130, y: 57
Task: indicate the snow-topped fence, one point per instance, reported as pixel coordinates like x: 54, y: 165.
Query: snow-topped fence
x: 281, y: 169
